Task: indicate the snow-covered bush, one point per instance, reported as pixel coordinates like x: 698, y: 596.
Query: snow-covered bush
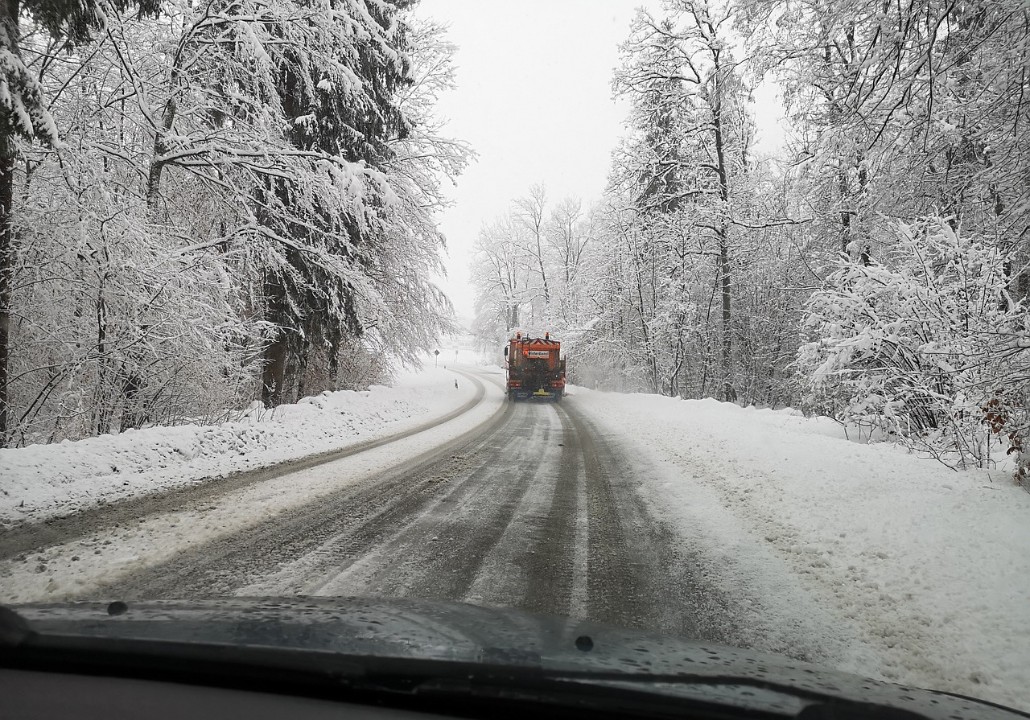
x: 926, y: 345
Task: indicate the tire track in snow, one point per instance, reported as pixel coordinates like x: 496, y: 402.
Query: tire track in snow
x: 24, y: 538
x: 466, y: 538
x: 639, y: 575
x: 346, y: 524
x: 558, y: 561
x: 533, y: 510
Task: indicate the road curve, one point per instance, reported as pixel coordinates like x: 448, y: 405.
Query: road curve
x: 23, y: 538
x: 534, y: 510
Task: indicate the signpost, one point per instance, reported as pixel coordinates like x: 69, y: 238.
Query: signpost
x: 436, y: 360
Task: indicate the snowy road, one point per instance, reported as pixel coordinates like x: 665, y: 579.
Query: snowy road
x: 508, y: 504
x: 529, y: 511
x: 24, y: 537
x: 753, y: 528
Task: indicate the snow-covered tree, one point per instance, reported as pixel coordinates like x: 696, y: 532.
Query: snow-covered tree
x: 903, y: 110
x: 230, y: 177
x: 926, y: 344
x: 687, y: 161
x: 500, y: 273
x: 24, y: 115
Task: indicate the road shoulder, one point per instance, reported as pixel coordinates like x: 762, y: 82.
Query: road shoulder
x: 862, y: 557
x: 91, y: 553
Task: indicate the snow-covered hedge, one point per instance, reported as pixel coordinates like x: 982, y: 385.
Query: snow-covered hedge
x: 927, y: 345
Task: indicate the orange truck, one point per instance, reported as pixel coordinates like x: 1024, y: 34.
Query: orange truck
x: 535, y: 368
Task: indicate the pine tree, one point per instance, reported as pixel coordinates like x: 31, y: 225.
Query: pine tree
x: 328, y: 112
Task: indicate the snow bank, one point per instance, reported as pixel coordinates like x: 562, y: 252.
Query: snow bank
x: 42, y: 481
x: 73, y: 570
x: 926, y: 568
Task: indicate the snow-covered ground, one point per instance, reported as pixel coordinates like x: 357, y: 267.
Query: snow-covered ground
x: 928, y: 568
x: 71, y: 570
x: 863, y: 557
x: 42, y: 481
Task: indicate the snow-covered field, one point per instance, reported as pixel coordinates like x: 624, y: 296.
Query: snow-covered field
x: 43, y: 481
x: 891, y: 564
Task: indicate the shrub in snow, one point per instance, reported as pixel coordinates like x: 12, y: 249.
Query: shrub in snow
x: 927, y: 346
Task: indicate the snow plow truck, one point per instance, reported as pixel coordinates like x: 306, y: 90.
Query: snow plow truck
x: 535, y: 368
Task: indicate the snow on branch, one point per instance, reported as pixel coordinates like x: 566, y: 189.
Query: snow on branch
x: 926, y: 346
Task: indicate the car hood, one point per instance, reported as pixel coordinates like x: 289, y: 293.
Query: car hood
x: 493, y: 636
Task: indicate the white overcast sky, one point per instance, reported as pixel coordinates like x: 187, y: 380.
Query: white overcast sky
x: 534, y: 100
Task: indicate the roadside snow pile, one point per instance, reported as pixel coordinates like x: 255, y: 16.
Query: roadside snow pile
x: 42, y: 481
x: 929, y: 568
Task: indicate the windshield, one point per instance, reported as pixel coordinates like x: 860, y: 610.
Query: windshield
x: 704, y: 319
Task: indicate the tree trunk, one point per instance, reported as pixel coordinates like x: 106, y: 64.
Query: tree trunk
x: 10, y: 11
x: 273, y: 374
x: 160, y: 148
x: 649, y: 351
x: 103, y: 405
x: 727, y: 315
x: 543, y: 271
x: 7, y: 161
x: 722, y: 234
x: 300, y: 384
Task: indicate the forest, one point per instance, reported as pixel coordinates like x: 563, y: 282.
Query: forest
x: 204, y: 204
x: 208, y: 204
x: 874, y: 271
